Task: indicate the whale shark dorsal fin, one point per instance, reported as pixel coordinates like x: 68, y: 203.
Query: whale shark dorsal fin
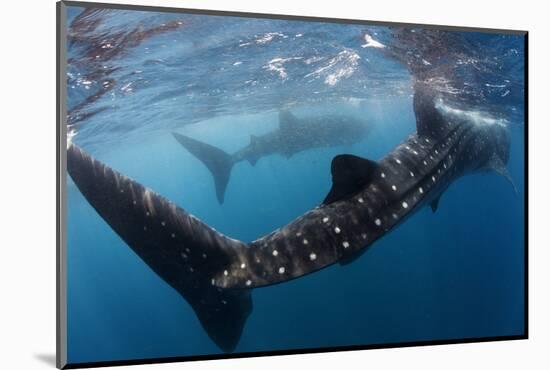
x: 349, y: 175
x: 287, y: 121
x: 429, y: 121
x: 435, y: 204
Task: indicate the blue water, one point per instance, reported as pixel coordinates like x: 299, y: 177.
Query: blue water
x: 458, y: 273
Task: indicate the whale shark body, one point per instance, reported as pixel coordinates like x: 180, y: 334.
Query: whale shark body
x: 215, y: 273
x: 293, y: 135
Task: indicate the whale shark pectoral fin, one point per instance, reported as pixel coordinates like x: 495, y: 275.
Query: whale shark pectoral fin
x: 216, y: 160
x: 496, y: 164
x: 182, y: 250
x: 435, y: 204
x: 349, y: 175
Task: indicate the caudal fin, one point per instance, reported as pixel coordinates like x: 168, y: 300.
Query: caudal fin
x: 216, y: 160
x: 179, y: 248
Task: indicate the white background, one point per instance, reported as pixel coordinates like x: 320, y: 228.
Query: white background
x: 27, y: 197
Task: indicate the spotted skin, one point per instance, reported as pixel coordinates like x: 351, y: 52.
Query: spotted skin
x: 166, y: 238
x: 214, y: 273
x: 414, y: 174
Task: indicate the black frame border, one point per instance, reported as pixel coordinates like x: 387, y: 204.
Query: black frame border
x: 61, y: 323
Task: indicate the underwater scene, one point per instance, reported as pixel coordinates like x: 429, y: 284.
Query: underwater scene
x: 240, y: 185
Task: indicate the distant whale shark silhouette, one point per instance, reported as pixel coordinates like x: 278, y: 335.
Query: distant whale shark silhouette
x: 293, y: 136
x: 214, y: 273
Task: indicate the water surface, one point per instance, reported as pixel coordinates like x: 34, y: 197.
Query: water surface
x: 134, y: 77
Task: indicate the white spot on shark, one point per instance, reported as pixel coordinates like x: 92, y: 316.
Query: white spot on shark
x: 337, y: 230
x: 383, y: 175
x: 360, y: 200
x: 420, y: 190
x: 378, y: 222
x: 243, y: 265
x: 312, y: 256
x: 397, y: 160
x: 305, y: 241
x: 394, y: 188
x: 281, y: 270
x: 248, y: 283
x: 345, y: 244
x: 275, y: 252
x: 225, y: 272
x: 405, y: 205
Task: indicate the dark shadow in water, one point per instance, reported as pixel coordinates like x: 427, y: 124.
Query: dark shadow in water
x: 47, y: 358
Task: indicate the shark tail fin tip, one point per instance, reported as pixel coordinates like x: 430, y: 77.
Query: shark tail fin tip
x: 218, y: 162
x: 182, y: 250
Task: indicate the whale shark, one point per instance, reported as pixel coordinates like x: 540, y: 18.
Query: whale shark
x: 293, y: 135
x: 215, y: 273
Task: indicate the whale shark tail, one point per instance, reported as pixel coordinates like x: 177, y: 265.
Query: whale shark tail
x: 216, y: 160
x: 179, y: 248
